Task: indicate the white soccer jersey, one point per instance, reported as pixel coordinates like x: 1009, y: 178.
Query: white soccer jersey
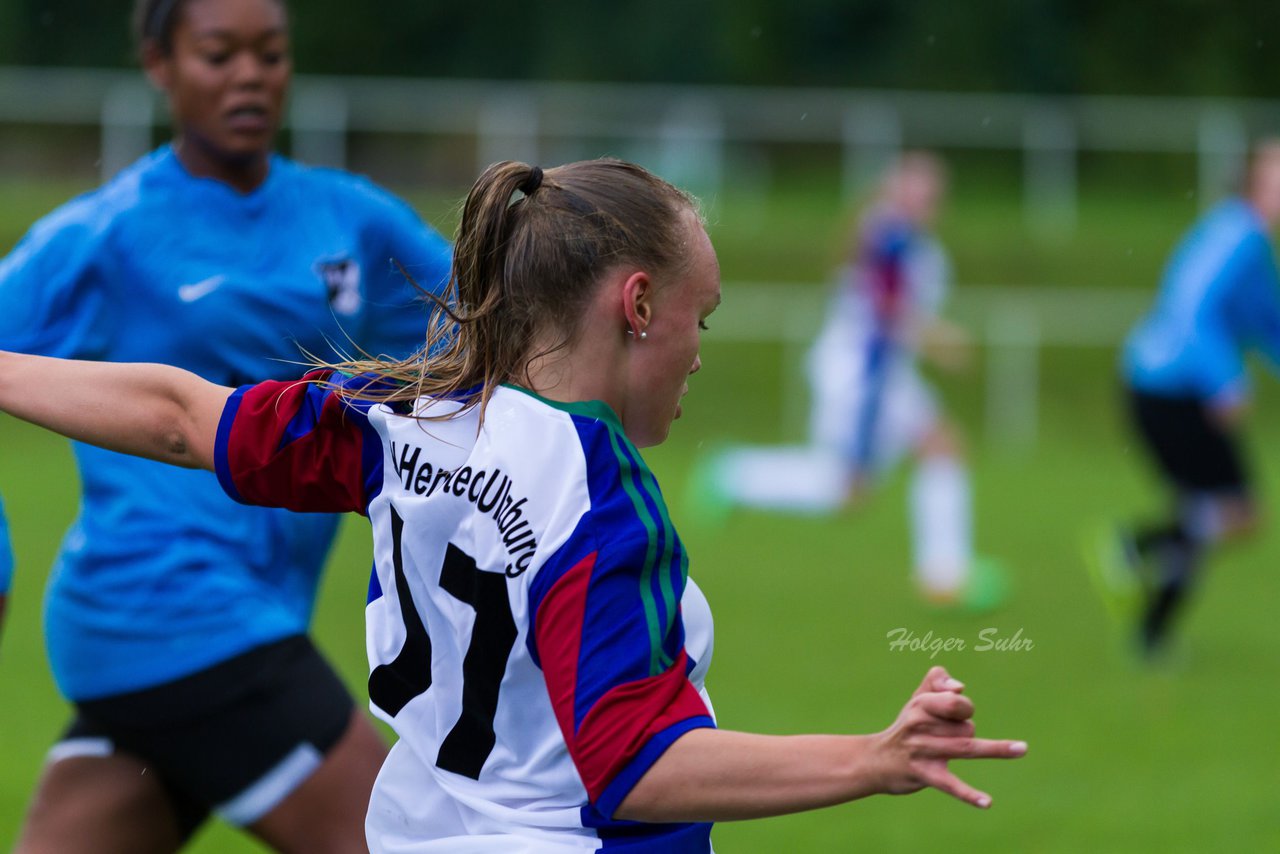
x: 870, y: 404
x: 532, y: 635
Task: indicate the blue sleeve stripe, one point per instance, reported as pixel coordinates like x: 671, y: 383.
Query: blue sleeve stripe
x: 634, y: 487
x: 371, y: 460
x: 307, y: 416
x: 691, y: 838
x: 221, y: 465
x: 625, y: 780
x: 321, y: 386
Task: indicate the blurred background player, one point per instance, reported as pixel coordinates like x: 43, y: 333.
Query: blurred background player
x: 533, y: 633
x: 176, y: 620
x: 1188, y: 392
x: 870, y: 405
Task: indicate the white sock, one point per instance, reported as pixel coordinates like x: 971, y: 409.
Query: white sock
x: 941, y: 524
x: 797, y: 479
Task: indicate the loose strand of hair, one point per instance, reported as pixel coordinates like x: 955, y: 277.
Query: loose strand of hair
x: 524, y: 265
x: 469, y: 342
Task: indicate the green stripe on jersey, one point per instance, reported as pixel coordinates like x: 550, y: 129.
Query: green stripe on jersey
x: 596, y: 409
x: 658, y: 659
x: 664, y: 579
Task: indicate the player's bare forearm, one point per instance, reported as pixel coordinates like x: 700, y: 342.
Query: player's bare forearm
x: 720, y: 775
x: 154, y: 411
x: 716, y: 775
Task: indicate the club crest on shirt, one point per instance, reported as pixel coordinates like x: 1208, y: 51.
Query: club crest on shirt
x: 341, y: 279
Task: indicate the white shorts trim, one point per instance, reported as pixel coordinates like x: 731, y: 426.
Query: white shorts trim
x: 71, y: 748
x: 272, y: 787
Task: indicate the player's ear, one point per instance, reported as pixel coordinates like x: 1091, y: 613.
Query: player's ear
x: 637, y: 301
x: 157, y: 65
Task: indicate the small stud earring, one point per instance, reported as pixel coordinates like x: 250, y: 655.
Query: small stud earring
x: 644, y: 335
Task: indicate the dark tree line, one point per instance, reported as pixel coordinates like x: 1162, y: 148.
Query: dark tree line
x: 1195, y: 47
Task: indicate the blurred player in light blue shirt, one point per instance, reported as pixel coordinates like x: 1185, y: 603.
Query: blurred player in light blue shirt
x: 1184, y: 365
x: 160, y: 265
x: 176, y: 620
x: 1219, y: 298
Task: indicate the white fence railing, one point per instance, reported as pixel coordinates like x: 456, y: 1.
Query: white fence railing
x: 1010, y: 325
x: 690, y: 133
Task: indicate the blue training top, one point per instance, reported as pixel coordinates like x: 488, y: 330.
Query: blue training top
x: 162, y: 575
x: 1219, y: 297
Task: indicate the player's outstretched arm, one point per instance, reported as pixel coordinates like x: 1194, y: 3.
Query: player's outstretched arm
x: 153, y: 411
x: 719, y: 775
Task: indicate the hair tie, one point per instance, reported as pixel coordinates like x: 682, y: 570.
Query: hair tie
x: 532, y: 182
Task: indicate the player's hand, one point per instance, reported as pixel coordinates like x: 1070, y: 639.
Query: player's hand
x: 933, y: 728
x: 947, y: 346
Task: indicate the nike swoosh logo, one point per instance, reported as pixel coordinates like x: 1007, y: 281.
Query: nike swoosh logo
x: 202, y: 288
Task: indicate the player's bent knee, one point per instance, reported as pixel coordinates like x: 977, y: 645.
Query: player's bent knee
x: 1241, y: 520
x: 942, y: 440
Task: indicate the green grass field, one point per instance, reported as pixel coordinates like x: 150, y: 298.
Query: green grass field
x: 1122, y: 758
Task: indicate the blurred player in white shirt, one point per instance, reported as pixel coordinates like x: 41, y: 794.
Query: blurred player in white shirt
x: 870, y: 406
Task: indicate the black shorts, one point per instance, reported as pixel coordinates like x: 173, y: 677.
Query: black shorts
x: 233, y: 739
x: 1191, y: 449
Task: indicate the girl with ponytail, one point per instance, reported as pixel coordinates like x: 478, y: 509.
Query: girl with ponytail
x: 534, y: 636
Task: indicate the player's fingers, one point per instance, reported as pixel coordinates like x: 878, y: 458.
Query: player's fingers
x: 945, y: 781
x: 926, y: 684
x: 947, y: 729
x: 946, y: 705
x: 941, y: 747
x: 938, y: 679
